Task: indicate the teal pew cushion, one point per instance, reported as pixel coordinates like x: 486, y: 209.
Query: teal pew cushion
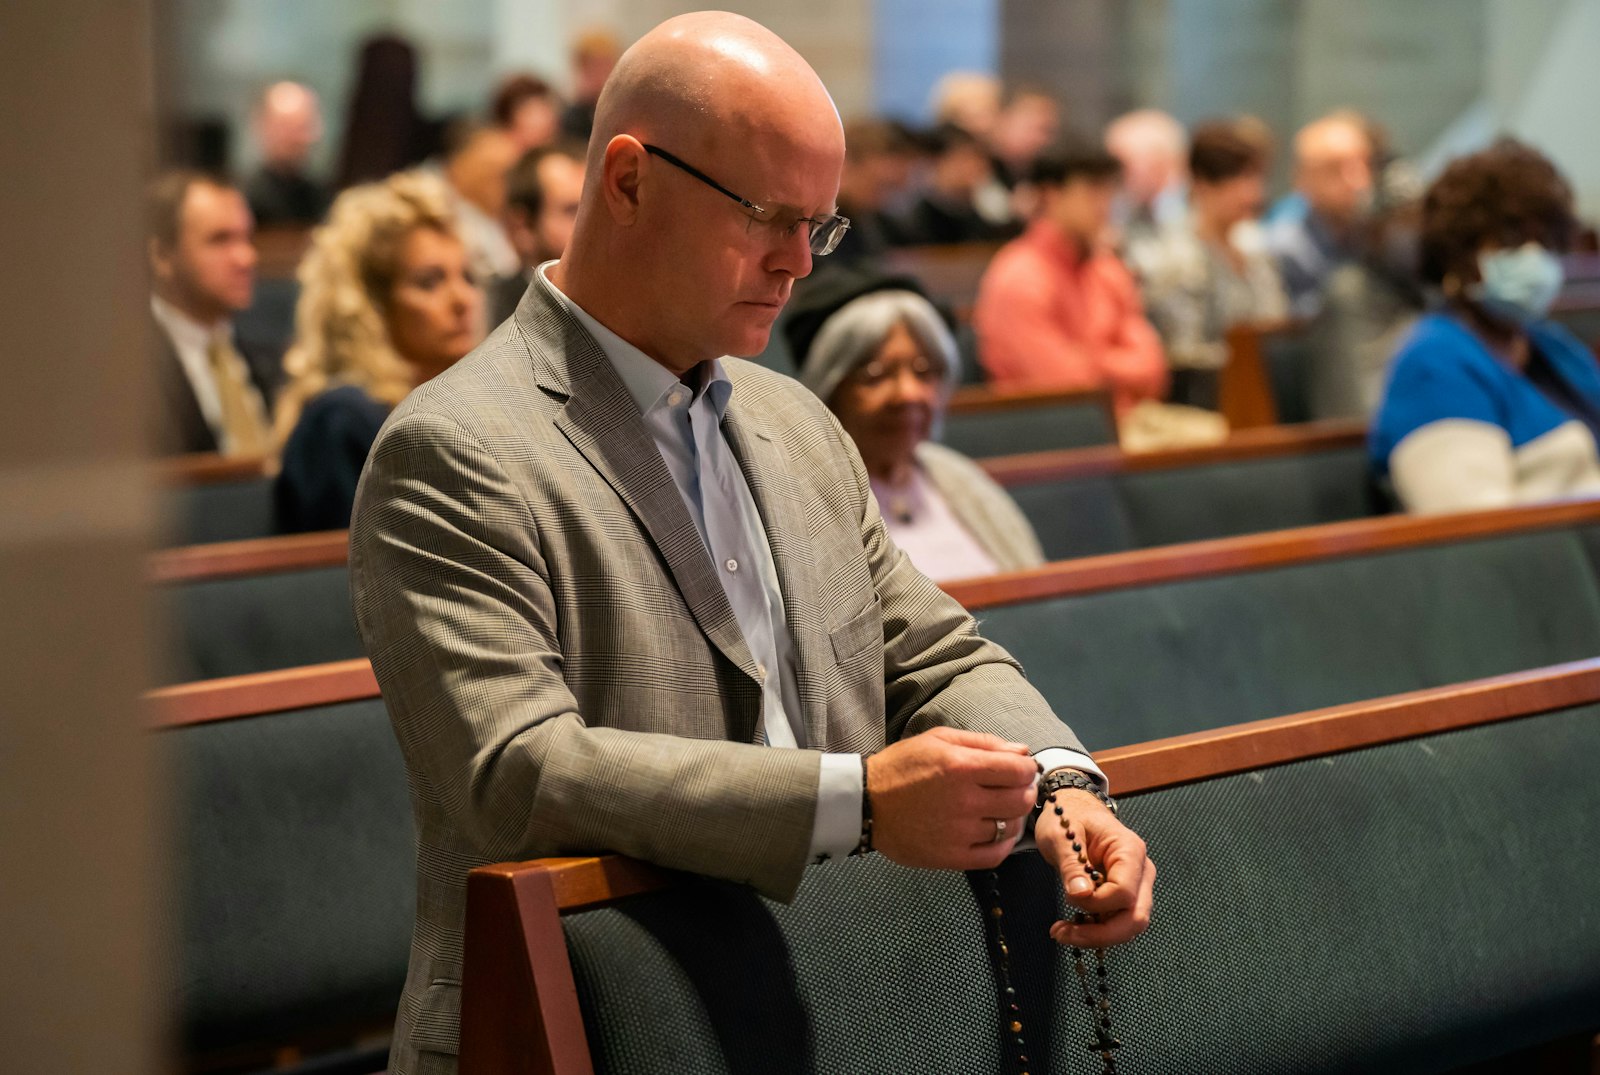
x: 873, y: 969
x: 1412, y: 907
x: 295, y: 874
x: 1028, y: 429
x: 1247, y: 496
x: 1081, y: 517
x: 218, y: 511
x: 1129, y: 665
x: 258, y: 623
x: 1367, y: 912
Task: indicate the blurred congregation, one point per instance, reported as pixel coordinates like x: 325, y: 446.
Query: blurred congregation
x: 999, y: 247
x: 1260, y: 425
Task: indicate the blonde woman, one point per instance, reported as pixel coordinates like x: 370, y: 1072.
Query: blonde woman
x: 387, y: 301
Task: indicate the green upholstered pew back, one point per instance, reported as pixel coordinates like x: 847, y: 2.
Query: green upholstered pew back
x: 1412, y: 906
x: 1369, y: 911
x: 873, y: 968
x: 200, y: 514
x: 1076, y: 423
x: 1248, y: 496
x: 1079, y: 516
x: 1288, y: 360
x: 1582, y: 319
x: 1135, y: 509
x: 1132, y: 664
x: 256, y: 623
x: 295, y: 874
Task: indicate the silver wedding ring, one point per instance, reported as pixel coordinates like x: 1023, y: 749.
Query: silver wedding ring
x: 999, y: 830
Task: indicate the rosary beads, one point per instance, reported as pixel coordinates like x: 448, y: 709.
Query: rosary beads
x: 1096, y: 994
x: 1094, y: 987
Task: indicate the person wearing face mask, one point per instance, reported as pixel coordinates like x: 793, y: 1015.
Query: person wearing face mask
x: 387, y: 302
x: 1488, y: 402
x: 877, y: 352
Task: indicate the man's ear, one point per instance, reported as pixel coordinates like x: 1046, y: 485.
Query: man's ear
x: 160, y: 260
x: 621, y: 177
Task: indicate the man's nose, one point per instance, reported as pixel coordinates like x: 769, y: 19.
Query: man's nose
x: 792, y: 253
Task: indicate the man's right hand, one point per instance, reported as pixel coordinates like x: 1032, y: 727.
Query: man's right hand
x: 935, y: 798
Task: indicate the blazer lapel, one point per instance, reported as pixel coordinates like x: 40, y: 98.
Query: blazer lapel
x: 770, y: 475
x: 603, y: 423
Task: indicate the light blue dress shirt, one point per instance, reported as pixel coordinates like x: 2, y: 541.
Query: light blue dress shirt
x: 686, y: 424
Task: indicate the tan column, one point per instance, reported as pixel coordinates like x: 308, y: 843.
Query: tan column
x: 75, y: 817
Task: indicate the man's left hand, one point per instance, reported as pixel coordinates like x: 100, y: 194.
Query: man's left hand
x: 1122, y: 900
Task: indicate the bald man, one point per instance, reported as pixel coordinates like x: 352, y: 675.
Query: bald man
x: 624, y: 593
x: 1153, y: 149
x: 1334, y: 168
x: 287, y: 126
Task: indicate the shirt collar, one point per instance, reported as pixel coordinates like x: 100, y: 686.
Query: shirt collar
x: 646, y: 380
x: 1048, y: 238
x: 184, y: 330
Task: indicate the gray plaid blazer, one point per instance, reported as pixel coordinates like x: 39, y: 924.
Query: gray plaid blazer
x: 560, y: 661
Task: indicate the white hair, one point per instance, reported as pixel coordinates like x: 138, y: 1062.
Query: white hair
x: 855, y: 332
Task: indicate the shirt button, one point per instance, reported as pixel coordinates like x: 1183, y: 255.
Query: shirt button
x: 675, y: 397
x: 761, y: 670
x: 732, y: 565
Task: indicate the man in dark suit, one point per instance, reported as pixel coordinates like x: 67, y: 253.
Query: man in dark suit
x: 288, y: 126
x: 216, y: 393
x: 542, y: 193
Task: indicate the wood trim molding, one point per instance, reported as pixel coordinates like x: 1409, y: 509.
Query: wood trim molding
x: 1066, y: 464
x: 206, y: 468
x: 584, y: 883
x: 519, y: 1001
x: 1252, y: 552
x: 255, y: 556
x: 261, y: 693
x: 1244, y: 389
x: 1185, y: 759
x: 980, y: 399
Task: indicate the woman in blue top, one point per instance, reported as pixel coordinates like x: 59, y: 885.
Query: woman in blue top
x: 1488, y: 402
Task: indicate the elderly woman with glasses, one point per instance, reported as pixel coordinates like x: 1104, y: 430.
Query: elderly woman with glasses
x: 883, y: 359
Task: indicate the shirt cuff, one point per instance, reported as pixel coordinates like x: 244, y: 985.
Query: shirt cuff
x: 836, y: 829
x: 1061, y: 758
x: 1050, y: 759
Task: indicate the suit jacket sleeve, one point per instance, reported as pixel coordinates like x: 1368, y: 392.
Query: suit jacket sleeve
x: 452, y: 595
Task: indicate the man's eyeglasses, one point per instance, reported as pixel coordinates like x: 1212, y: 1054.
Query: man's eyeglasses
x: 823, y: 232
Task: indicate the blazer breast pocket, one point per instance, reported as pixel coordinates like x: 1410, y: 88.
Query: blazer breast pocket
x: 858, y: 632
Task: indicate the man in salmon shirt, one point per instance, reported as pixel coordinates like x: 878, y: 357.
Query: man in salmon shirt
x: 1056, y: 308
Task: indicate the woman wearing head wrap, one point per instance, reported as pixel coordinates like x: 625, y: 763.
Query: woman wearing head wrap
x: 881, y: 356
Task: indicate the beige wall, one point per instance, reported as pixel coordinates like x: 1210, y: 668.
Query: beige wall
x: 835, y: 36
x: 75, y: 834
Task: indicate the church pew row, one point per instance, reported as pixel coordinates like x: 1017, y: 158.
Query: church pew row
x: 292, y: 906
x: 1086, y: 501
x: 237, y: 607
x: 208, y: 498
x: 1082, y: 502
x: 1129, y: 646
x: 982, y: 422
x: 1400, y: 885
x: 293, y: 900
x: 211, y: 498
x: 1159, y: 642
